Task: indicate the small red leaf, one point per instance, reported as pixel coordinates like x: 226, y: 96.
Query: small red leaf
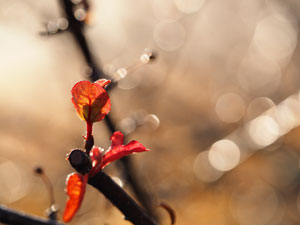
x: 117, y: 150
x: 76, y: 185
x: 96, y: 155
x: 102, y: 82
x: 90, y: 100
x: 117, y: 139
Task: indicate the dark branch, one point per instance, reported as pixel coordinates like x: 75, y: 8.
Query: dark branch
x: 111, y: 190
x: 138, y: 188
x: 120, y: 199
x: 76, y: 28
x: 13, y: 217
x: 129, y: 173
x: 80, y: 161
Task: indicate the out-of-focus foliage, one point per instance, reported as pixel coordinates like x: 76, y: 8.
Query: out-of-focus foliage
x: 219, y: 107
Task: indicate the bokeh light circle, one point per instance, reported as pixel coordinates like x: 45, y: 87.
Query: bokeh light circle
x: 230, y: 107
x: 258, y: 75
x: 189, y: 6
x: 224, y: 155
x: 258, y: 106
x: 275, y: 37
x: 13, y: 182
x: 169, y: 35
x: 263, y: 130
x: 254, y: 204
x: 203, y: 170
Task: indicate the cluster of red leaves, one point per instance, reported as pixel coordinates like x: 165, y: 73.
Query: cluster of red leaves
x: 92, y: 104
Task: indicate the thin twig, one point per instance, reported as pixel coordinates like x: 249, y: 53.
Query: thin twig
x: 12, y: 217
x: 120, y: 199
x: 76, y: 28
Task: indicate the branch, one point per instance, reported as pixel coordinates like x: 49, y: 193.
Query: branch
x: 120, y: 199
x: 139, y: 189
x: 13, y: 217
x: 76, y: 28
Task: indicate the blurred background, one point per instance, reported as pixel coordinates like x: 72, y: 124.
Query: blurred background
x: 219, y: 107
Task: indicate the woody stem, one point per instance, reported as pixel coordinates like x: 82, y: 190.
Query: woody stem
x: 117, y: 196
x: 89, y: 130
x: 13, y: 217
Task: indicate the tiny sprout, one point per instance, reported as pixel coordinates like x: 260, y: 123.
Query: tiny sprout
x: 39, y: 170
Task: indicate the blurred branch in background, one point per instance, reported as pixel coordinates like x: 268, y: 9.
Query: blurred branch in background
x: 14, y: 217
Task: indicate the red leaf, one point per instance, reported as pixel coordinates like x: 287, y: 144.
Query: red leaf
x: 90, y: 100
x: 96, y: 155
x: 102, y: 82
x: 116, y: 139
x: 117, y: 150
x: 76, y: 185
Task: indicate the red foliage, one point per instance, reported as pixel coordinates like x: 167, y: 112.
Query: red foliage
x: 76, y: 184
x: 116, y: 151
x: 92, y: 104
x: 96, y: 156
x: 90, y: 100
x: 102, y: 82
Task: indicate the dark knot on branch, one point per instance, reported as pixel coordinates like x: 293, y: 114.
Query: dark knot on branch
x: 80, y: 161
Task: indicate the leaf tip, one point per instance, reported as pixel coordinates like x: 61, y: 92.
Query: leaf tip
x: 103, y: 82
